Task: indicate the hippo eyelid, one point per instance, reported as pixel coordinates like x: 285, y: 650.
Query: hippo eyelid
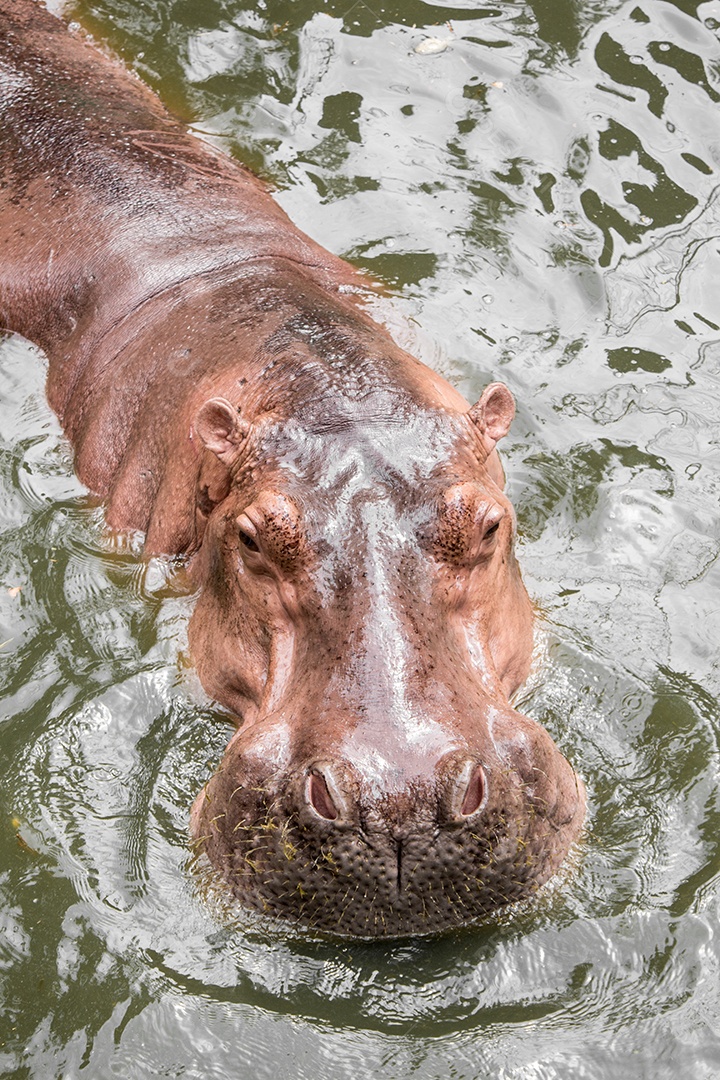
x: 491, y: 523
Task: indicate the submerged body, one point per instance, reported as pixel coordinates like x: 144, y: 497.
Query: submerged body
x: 360, y: 608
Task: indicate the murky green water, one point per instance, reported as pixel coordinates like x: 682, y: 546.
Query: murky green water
x: 542, y: 197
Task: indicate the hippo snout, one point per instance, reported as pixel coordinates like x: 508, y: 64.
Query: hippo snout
x: 319, y: 842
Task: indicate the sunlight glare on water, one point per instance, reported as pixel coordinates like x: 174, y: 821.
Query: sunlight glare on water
x: 540, y: 196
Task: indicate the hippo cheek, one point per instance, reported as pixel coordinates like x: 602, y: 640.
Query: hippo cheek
x: 551, y: 788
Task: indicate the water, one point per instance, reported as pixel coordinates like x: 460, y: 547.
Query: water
x: 540, y: 194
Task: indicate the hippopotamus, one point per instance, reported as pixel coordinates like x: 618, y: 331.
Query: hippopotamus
x: 340, y: 506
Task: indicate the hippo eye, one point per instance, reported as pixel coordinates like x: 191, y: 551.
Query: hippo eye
x: 247, y: 541
x: 492, y: 524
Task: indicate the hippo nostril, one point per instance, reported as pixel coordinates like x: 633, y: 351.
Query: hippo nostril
x: 462, y: 788
x: 474, y: 792
x: 319, y: 797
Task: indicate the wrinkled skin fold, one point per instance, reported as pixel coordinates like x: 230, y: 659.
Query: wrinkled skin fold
x: 360, y: 609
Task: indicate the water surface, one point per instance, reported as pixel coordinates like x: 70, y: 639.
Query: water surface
x: 540, y: 196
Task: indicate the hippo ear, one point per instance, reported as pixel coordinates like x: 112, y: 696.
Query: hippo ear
x: 494, y: 412
x: 221, y: 429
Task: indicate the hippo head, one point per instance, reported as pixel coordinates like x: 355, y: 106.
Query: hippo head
x: 362, y: 611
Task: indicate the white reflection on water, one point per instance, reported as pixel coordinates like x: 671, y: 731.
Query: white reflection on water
x: 479, y: 158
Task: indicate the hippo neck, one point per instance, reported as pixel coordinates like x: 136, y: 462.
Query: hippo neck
x: 112, y: 200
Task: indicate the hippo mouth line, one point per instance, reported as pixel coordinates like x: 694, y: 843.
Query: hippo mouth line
x: 398, y: 876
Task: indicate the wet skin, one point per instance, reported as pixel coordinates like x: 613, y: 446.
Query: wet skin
x: 360, y: 608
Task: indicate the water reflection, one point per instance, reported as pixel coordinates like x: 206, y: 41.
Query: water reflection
x: 542, y: 196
